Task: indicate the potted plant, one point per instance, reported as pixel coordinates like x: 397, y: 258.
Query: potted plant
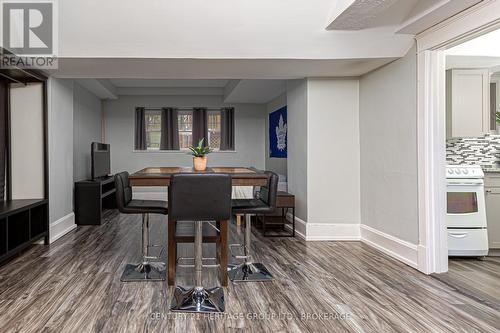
x: 200, y: 155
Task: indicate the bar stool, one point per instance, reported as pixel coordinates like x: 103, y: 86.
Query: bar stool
x: 265, y: 204
x: 147, y: 270
x: 202, y: 198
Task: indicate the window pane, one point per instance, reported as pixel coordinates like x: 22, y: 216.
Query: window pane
x: 185, y: 124
x: 153, y: 129
x: 214, y: 136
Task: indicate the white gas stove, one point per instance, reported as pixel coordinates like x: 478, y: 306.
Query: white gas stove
x: 466, y: 211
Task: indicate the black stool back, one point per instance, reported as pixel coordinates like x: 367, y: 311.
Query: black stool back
x: 199, y: 197
x: 123, y: 191
x: 269, y: 193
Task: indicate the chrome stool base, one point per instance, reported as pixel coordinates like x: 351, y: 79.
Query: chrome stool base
x: 249, y: 272
x: 199, y: 300
x: 144, y: 272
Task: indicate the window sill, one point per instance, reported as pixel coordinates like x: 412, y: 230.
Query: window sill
x: 185, y: 152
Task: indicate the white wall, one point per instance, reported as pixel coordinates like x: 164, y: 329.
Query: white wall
x: 333, y: 183
x: 119, y: 132
x: 60, y: 156
x: 323, y: 157
x: 388, y: 120
x: 277, y: 165
x: 297, y: 146
x: 87, y: 121
x: 27, y: 151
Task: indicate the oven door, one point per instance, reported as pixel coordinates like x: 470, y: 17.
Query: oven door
x: 465, y: 204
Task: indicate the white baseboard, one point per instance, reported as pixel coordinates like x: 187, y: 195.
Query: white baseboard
x: 393, y: 246
x: 325, y: 231
x: 62, y: 226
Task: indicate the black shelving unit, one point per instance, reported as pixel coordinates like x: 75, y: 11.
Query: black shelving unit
x: 91, y: 198
x: 22, y: 222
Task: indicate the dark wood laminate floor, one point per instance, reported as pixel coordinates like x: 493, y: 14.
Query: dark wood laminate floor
x: 74, y: 286
x: 478, y: 279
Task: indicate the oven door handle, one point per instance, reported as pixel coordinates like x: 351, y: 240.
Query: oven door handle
x: 458, y: 234
x: 466, y: 184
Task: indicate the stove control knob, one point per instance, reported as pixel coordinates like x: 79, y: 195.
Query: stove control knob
x: 466, y: 172
x: 450, y: 171
x: 457, y: 171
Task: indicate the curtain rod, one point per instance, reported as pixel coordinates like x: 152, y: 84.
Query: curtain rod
x: 185, y: 108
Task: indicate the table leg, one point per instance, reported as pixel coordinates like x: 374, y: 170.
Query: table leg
x: 172, y: 252
x: 222, y: 253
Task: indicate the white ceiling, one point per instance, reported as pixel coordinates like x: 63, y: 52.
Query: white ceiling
x: 255, y: 91
x: 363, y: 14
x: 231, y: 91
x: 204, y: 69
x: 487, y: 45
x: 167, y: 83
x: 411, y: 16
x: 454, y: 61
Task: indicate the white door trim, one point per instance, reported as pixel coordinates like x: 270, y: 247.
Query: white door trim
x: 431, y: 126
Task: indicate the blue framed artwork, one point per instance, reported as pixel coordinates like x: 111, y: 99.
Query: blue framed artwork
x: 278, y: 133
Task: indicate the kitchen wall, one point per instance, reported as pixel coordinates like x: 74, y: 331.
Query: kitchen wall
x: 388, y: 127
x: 277, y: 165
x: 484, y: 151
x: 119, y: 132
x: 87, y: 120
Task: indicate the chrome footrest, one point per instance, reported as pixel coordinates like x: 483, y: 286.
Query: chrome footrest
x: 159, y: 256
x: 235, y: 256
x: 180, y: 259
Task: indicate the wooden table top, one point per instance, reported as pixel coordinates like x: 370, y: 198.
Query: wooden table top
x: 160, y: 176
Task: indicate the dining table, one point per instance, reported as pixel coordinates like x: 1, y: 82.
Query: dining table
x: 160, y: 176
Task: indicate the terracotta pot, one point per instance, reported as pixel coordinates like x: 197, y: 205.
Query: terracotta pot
x: 200, y: 163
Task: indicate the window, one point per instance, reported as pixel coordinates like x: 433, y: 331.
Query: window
x: 168, y: 128
x: 214, y: 128
x: 153, y: 129
x: 185, y: 126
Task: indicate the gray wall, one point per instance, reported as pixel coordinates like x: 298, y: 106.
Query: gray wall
x: 119, y: 132
x: 297, y: 145
x: 60, y: 148
x: 388, y: 133
x: 277, y: 165
x: 87, y: 121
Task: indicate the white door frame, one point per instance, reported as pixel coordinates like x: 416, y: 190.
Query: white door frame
x: 431, y: 126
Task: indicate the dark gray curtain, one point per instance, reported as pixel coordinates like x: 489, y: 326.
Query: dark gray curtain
x: 140, y: 129
x: 200, y: 125
x: 227, y: 129
x: 3, y: 137
x: 169, y: 129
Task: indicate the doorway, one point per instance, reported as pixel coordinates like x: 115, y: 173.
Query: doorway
x: 432, y: 45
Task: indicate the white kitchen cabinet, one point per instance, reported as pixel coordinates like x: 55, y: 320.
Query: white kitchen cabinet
x: 467, y: 102
x: 492, y: 188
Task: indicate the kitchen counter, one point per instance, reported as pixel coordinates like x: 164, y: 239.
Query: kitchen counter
x: 491, y: 170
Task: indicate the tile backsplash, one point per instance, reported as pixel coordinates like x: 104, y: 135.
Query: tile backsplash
x: 484, y: 151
